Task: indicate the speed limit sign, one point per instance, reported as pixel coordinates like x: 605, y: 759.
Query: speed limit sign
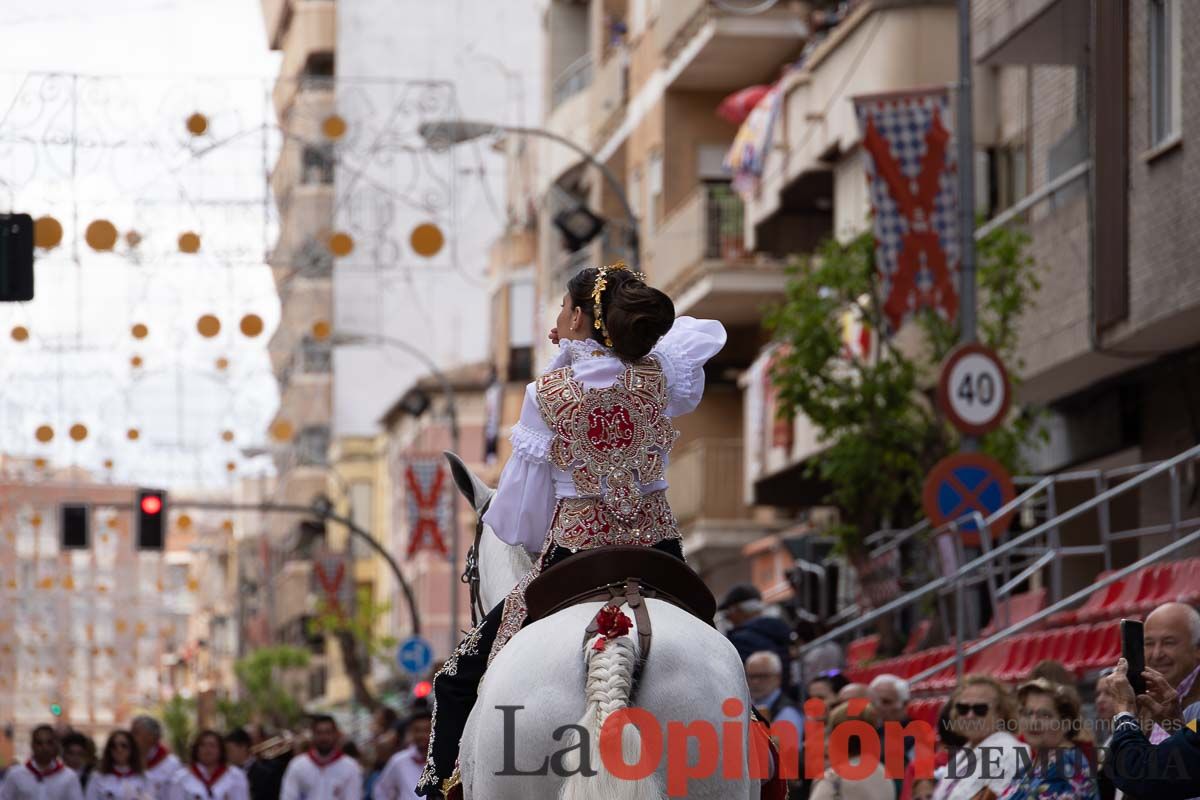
x: 973, y: 390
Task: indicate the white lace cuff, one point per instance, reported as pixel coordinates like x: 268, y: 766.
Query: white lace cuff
x: 530, y: 444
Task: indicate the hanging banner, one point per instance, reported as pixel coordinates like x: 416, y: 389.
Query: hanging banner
x: 429, y: 498
x: 912, y: 182
x: 748, y: 153
x: 331, y: 572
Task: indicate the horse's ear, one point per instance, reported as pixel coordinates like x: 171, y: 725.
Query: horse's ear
x: 476, y: 491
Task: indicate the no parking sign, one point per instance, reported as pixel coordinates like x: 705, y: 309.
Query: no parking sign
x: 967, y: 482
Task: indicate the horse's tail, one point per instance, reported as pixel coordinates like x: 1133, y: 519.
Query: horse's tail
x: 610, y: 672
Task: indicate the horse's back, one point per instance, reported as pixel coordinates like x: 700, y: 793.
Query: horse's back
x: 535, y: 689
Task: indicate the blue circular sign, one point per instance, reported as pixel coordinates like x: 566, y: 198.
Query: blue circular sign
x: 965, y: 484
x: 414, y: 655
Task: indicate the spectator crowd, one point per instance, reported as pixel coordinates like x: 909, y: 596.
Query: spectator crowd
x: 1052, y: 735
x: 243, y: 764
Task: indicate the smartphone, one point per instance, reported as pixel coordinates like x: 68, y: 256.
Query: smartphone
x: 1134, y: 652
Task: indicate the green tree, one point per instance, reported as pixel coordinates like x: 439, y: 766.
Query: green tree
x: 357, y: 639
x: 881, y: 430
x: 232, y: 713
x: 260, y: 674
x: 178, y: 719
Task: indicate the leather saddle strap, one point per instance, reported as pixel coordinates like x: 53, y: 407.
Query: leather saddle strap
x: 630, y: 594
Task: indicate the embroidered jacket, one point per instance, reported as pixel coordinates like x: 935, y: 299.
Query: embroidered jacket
x: 594, y: 426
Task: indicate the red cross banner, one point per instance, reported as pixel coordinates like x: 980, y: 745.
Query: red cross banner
x: 429, y: 498
x: 912, y: 183
x: 331, y: 574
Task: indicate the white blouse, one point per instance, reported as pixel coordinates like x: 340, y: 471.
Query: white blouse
x: 108, y: 786
x: 523, y: 507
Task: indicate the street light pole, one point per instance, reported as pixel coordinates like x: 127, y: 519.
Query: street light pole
x: 445, y: 132
x: 350, y: 338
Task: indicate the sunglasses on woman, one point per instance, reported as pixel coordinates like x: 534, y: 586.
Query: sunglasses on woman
x: 978, y: 709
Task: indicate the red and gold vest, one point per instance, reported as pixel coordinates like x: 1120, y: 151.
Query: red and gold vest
x: 609, y: 440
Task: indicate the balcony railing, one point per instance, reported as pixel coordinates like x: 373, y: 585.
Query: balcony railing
x: 706, y: 480
x: 573, y: 80
x: 708, y: 226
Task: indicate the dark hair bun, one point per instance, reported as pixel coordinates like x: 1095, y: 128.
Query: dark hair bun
x: 636, y: 315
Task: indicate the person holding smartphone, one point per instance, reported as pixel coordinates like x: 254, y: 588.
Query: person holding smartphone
x: 1169, y: 770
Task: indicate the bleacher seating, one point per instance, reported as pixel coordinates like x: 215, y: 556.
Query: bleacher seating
x: 1082, y: 640
x: 1020, y: 607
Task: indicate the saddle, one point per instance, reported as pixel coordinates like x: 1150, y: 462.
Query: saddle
x: 624, y: 573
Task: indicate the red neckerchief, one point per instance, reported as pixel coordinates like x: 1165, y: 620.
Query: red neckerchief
x: 122, y: 772
x: 41, y: 776
x: 209, y: 783
x: 322, y: 763
x: 156, y: 756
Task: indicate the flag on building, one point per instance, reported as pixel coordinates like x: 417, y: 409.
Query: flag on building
x: 428, y: 497
x: 748, y: 153
x: 911, y: 180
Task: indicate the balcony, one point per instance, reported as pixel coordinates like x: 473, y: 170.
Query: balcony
x: 715, y: 50
x: 308, y: 44
x: 573, y: 80
x: 699, y: 257
x: 879, y: 47
x: 706, y: 481
x: 311, y: 358
x: 610, y: 93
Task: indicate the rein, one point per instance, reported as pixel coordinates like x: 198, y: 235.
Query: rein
x: 470, y: 575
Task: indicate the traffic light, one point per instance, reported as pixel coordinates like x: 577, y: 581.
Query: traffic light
x: 151, y: 510
x: 16, y: 258
x: 422, y: 689
x: 75, y: 526
x: 56, y: 709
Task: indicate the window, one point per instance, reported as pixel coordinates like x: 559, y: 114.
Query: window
x: 316, y: 166
x: 312, y: 446
x: 360, y: 504
x: 654, y: 191
x: 1165, y: 86
x: 520, y: 329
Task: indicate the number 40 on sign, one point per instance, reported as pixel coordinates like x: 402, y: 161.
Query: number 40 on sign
x: 973, y: 390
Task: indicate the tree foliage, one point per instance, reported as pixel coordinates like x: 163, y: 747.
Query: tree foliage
x: 177, y: 715
x: 876, y: 418
x: 357, y: 639
x: 266, y: 696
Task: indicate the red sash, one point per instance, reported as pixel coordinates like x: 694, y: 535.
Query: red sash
x: 156, y: 756
x: 322, y: 763
x: 41, y: 776
x: 209, y: 783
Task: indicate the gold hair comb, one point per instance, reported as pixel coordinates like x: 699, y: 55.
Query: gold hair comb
x: 598, y: 291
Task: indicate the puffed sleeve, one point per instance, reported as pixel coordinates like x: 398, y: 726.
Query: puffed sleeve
x: 682, y: 352
x: 521, y: 511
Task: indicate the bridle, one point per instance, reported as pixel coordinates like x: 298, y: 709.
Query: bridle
x: 470, y: 575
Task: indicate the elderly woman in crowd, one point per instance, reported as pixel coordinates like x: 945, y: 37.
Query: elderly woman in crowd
x: 833, y: 786
x: 1050, y: 723
x: 982, y: 712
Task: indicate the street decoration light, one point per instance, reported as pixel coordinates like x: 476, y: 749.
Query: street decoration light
x: 440, y: 134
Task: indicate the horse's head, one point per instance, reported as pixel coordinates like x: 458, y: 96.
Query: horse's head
x: 493, y: 565
x: 478, y: 493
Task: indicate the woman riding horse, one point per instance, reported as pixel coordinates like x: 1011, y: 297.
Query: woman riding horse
x: 588, y: 466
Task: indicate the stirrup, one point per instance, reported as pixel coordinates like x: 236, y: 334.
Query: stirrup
x: 452, y: 787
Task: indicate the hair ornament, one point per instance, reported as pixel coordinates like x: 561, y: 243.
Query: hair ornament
x: 598, y: 292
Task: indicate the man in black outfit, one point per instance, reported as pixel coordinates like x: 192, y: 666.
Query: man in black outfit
x: 1169, y: 770
x: 265, y: 777
x: 754, y: 631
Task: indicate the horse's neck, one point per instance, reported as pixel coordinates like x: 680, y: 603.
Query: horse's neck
x: 501, y: 565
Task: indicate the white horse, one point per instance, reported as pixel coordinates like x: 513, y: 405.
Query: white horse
x: 548, y: 678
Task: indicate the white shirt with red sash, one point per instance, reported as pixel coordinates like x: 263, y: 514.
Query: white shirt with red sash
x: 222, y: 783
x: 119, y: 785
x: 29, y: 782
x: 161, y: 768
x: 313, y: 777
x: 401, y: 775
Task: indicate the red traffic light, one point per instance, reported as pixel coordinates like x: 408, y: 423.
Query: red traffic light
x: 151, y: 504
x: 422, y: 689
